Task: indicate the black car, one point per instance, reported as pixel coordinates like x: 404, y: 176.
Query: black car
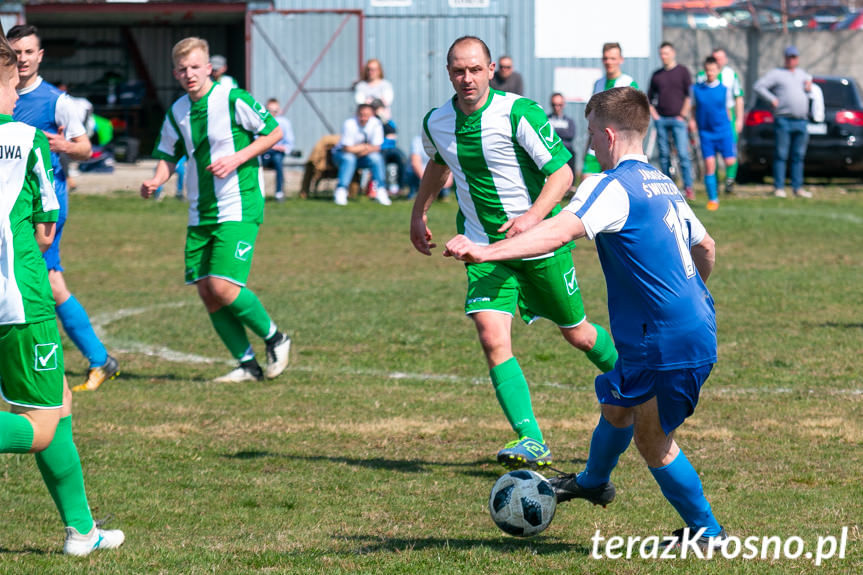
x: 835, y: 145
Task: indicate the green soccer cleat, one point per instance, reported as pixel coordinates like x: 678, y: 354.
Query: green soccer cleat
x: 524, y: 452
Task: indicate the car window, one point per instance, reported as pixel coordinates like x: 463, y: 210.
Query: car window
x: 837, y: 93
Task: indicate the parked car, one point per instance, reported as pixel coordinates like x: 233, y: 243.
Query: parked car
x: 835, y: 145
x: 853, y: 21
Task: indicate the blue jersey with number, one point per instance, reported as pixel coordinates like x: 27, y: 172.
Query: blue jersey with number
x: 661, y: 313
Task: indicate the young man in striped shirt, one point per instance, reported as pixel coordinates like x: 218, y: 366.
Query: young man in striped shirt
x: 215, y: 127
x: 31, y: 356
x: 510, y: 170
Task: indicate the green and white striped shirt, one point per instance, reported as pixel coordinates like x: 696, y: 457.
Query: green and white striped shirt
x: 499, y: 156
x: 218, y: 125
x: 26, y: 197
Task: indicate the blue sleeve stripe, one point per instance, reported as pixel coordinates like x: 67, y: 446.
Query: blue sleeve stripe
x: 594, y: 195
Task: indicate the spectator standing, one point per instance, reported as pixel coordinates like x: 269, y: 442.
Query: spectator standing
x: 505, y: 78
x: 220, y: 72
x: 563, y: 125
x: 373, y: 87
x: 786, y: 89
x: 730, y: 80
x: 274, y: 157
x: 669, y: 107
x: 360, y: 147
x: 710, y: 116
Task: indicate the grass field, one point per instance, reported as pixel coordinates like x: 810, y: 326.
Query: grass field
x: 374, y: 452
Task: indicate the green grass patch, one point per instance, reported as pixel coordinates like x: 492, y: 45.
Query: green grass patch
x: 374, y: 452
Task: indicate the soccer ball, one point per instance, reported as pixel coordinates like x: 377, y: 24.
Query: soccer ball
x: 522, y: 503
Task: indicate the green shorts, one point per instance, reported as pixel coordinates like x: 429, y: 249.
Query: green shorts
x: 31, y: 364
x: 220, y: 250
x: 539, y: 288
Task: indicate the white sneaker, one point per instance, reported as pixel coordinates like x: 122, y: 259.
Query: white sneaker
x: 801, y: 193
x: 240, y: 374
x: 340, y: 197
x: 82, y: 545
x: 382, y: 196
x: 780, y: 193
x: 278, y: 355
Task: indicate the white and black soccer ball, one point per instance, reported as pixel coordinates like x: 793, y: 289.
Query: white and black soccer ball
x: 522, y: 503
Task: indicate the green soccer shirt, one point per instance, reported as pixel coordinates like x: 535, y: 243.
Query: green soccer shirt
x: 26, y: 197
x: 224, y: 121
x: 499, y: 156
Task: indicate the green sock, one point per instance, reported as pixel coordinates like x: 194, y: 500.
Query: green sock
x: 512, y: 392
x: 249, y: 310
x: 731, y: 171
x: 603, y: 354
x: 16, y: 433
x: 61, y: 470
x: 232, y: 332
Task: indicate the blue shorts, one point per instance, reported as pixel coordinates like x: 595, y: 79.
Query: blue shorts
x: 52, y: 254
x: 723, y: 143
x: 676, y: 391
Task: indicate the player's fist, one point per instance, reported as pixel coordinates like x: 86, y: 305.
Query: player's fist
x: 148, y: 188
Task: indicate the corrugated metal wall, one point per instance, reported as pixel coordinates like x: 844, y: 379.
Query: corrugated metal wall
x: 411, y: 43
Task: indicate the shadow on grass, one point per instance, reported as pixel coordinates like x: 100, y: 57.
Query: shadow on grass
x: 536, y: 545
x: 23, y: 551
x: 842, y: 324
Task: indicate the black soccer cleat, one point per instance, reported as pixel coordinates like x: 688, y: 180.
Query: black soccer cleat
x: 566, y: 487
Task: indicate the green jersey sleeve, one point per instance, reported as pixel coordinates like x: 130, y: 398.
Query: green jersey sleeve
x: 250, y: 114
x: 169, y: 145
x: 40, y: 176
x: 536, y: 136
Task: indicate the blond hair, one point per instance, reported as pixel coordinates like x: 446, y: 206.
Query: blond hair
x: 185, y: 47
x: 624, y: 108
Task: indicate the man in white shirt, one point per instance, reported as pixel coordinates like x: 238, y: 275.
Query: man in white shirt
x: 360, y: 147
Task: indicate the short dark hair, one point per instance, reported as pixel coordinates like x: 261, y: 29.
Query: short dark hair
x: 611, y: 46
x: 625, y: 108
x: 710, y: 60
x: 22, y: 31
x: 666, y: 44
x: 458, y: 41
x: 364, y: 105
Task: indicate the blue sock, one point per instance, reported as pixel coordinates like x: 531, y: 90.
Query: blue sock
x: 74, y: 318
x: 712, y: 190
x: 682, y: 487
x: 606, y: 445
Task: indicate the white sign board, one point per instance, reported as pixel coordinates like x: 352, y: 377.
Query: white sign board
x: 579, y: 28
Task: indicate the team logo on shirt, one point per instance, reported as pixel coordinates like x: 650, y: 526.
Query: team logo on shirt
x: 46, y: 356
x: 548, y: 136
x: 244, y: 250
x: 569, y: 280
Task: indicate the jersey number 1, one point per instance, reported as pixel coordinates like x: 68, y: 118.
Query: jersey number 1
x: 680, y: 229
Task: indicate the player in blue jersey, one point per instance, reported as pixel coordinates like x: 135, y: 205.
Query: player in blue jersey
x: 656, y: 256
x: 711, y: 102
x: 45, y: 107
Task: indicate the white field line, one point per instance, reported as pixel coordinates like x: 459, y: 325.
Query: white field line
x: 129, y: 346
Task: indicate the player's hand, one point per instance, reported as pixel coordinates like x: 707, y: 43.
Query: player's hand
x: 461, y: 248
x: 518, y: 225
x: 148, y: 188
x: 222, y: 167
x: 421, y: 236
x: 57, y: 143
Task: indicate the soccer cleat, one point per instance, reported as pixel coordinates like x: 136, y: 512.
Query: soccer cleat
x: 780, y: 193
x: 278, y: 355
x: 690, y: 193
x: 801, y: 193
x: 242, y: 373
x: 704, y: 542
x: 712, y: 206
x: 566, y: 487
x: 524, y: 452
x: 82, y: 545
x: 729, y: 186
x: 99, y: 375
x: 340, y: 197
